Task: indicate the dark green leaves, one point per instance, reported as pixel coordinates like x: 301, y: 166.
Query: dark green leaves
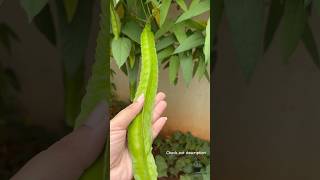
x: 294, y: 22
x: 173, y: 69
x: 44, y: 23
x: 192, y: 41
x: 162, y: 166
x: 245, y: 19
x: 132, y: 30
x: 33, y: 7
x: 195, y: 10
x: 275, y: 14
x: 70, y: 8
x: 74, y: 41
x: 6, y: 36
x: 120, y: 50
x: 164, y: 8
x: 310, y: 44
x: 187, y: 67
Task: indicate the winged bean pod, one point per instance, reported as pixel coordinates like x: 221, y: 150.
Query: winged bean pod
x: 140, y: 130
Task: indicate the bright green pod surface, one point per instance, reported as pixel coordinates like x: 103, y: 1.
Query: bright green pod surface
x: 140, y: 130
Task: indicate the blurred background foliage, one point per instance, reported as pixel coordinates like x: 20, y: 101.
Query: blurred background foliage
x: 253, y: 29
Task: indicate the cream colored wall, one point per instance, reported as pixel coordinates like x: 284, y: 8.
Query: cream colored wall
x: 188, y: 108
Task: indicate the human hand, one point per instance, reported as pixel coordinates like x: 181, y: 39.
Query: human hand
x: 120, y: 161
x: 69, y: 157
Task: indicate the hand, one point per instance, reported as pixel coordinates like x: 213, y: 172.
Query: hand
x: 120, y: 161
x: 69, y: 157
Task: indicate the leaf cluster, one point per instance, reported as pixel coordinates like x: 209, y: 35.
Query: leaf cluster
x: 184, y: 166
x: 182, y: 42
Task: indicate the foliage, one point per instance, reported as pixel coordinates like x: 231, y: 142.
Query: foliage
x: 180, y: 40
x: 98, y: 91
x: 182, y: 165
x: 247, y: 24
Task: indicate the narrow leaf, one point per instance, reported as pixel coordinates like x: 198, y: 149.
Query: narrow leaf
x: 245, y: 19
x: 192, y: 41
x: 115, y: 22
x: 206, y: 48
x: 44, y: 23
x: 311, y: 45
x: 182, y: 4
x: 294, y: 22
x: 32, y: 7
x: 70, y: 8
x: 97, y: 91
x: 120, y: 50
x: 187, y: 67
x: 73, y: 39
x: 168, y: 24
x: 164, y: 9
x: 195, y: 10
x: 173, y: 69
x: 6, y: 36
x: 275, y: 14
x: 201, y: 69
x: 164, y: 54
x: 179, y: 31
x: 165, y: 42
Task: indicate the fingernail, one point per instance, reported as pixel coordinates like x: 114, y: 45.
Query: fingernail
x: 140, y: 99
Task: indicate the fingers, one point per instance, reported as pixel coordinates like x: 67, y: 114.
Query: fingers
x: 160, y: 96
x: 69, y: 157
x: 124, y: 117
x: 157, y: 126
x: 158, y: 110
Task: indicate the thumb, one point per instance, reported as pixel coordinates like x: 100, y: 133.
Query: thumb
x: 124, y: 117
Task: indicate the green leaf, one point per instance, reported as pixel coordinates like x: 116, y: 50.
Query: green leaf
x: 165, y: 42
x: 132, y: 30
x: 173, y: 69
x: 33, y: 7
x: 168, y: 24
x: 317, y: 6
x: 180, y: 32
x: 206, y: 48
x: 294, y: 22
x: 115, y: 22
x: 192, y: 41
x: 97, y: 91
x: 194, y: 24
x: 70, y: 8
x: 73, y: 38
x: 217, y: 12
x: 120, y: 50
x: 246, y: 23
x: 6, y: 36
x: 162, y: 166
x: 307, y: 2
x: 201, y: 69
x: 311, y: 45
x: 164, y: 54
x: 164, y: 9
x: 275, y: 14
x: 44, y: 23
x: 187, y: 67
x: 195, y: 10
x: 182, y: 5
x: 115, y: 2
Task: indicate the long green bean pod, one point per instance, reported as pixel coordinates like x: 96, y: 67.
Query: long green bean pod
x: 140, y: 130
